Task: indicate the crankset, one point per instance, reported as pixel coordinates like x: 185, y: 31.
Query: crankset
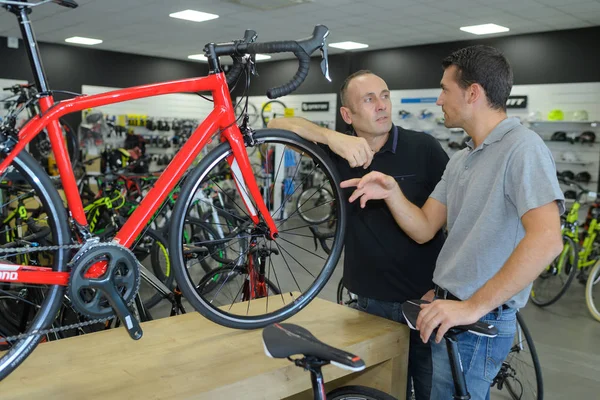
x: 105, y: 280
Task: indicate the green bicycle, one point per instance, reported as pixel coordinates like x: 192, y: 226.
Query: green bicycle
x: 577, y: 257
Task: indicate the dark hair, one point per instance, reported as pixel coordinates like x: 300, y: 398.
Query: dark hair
x: 344, y: 87
x: 486, y: 66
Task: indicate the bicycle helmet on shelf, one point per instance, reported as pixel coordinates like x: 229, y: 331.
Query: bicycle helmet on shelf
x: 535, y: 116
x: 583, y: 177
x: 587, y: 137
x: 559, y: 136
x: 579, y: 115
x: 566, y: 174
x: 556, y: 115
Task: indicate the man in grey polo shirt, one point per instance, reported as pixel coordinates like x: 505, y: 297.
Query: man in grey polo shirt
x: 501, y: 202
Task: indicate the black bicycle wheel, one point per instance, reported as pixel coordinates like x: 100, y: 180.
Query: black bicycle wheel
x: 554, y: 281
x: 207, y: 246
x: 41, y: 148
x: 344, y: 296
x: 314, y: 205
x: 520, y: 376
x: 289, y: 261
x: 152, y: 251
x: 271, y: 110
x: 40, y: 303
x: 358, y: 393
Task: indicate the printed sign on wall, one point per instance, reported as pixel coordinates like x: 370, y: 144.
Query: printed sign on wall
x: 516, y: 102
x: 315, y: 106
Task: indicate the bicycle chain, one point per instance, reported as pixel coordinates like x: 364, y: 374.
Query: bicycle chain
x: 44, y: 332
x: 56, y: 330
x: 21, y: 250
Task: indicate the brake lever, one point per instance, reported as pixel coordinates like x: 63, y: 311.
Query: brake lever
x: 325, y: 58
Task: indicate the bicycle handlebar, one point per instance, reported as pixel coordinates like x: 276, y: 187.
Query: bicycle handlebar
x: 302, y: 49
x: 582, y: 191
x: 17, y: 88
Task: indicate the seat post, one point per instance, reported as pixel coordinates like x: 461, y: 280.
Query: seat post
x: 318, y: 384
x: 458, y: 376
x: 313, y: 365
x: 31, y: 46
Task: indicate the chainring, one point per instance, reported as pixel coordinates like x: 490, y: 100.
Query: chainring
x: 121, y: 270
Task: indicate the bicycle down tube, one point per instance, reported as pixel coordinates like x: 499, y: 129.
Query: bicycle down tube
x: 221, y: 117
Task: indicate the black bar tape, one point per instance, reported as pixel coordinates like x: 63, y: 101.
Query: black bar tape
x: 234, y: 73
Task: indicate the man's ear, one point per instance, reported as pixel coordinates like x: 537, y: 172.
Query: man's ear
x: 346, y: 115
x: 474, y: 93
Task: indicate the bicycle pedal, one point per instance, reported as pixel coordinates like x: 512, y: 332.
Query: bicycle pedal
x: 123, y: 313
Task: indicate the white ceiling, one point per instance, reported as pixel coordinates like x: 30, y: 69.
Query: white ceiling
x: 144, y: 27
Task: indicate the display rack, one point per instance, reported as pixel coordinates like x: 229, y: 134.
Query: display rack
x: 587, y: 154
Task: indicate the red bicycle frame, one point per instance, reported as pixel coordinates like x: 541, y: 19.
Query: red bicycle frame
x: 222, y: 118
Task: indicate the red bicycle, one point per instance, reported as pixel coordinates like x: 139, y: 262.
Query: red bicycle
x: 227, y: 214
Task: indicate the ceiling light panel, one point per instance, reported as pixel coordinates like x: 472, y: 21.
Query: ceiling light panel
x: 484, y: 29
x: 83, y: 40
x: 192, y: 15
x: 348, y: 45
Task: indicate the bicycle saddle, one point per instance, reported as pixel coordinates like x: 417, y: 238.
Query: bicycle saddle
x: 285, y: 340
x: 411, y: 309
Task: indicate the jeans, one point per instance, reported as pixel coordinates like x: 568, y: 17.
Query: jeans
x: 419, y: 353
x: 481, y: 357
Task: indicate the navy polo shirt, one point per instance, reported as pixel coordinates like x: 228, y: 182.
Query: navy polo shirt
x: 380, y: 260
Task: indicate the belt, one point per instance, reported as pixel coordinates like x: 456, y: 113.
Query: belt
x: 443, y: 294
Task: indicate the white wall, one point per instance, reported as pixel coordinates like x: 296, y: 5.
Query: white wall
x: 294, y: 101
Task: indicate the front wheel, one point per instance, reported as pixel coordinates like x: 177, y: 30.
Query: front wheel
x: 289, y: 262
x: 358, y: 393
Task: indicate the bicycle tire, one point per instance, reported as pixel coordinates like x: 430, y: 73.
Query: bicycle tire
x: 305, y: 198
x: 178, y: 220
x: 356, y: 392
x: 511, y: 381
x: 41, y: 144
x: 47, y: 194
x: 592, y: 280
x: 159, y: 246
x: 263, y: 117
x: 572, y: 253
x: 340, y: 294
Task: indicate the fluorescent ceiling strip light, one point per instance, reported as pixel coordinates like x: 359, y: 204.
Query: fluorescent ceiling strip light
x: 484, y: 29
x: 202, y: 57
x: 349, y: 45
x: 83, y: 40
x: 192, y: 15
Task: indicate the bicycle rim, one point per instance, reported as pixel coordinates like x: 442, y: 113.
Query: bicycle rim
x: 290, y: 262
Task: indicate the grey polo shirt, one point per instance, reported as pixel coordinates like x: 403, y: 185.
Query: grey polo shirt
x: 486, y: 191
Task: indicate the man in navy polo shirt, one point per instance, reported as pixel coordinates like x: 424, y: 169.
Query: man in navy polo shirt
x: 382, y: 265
